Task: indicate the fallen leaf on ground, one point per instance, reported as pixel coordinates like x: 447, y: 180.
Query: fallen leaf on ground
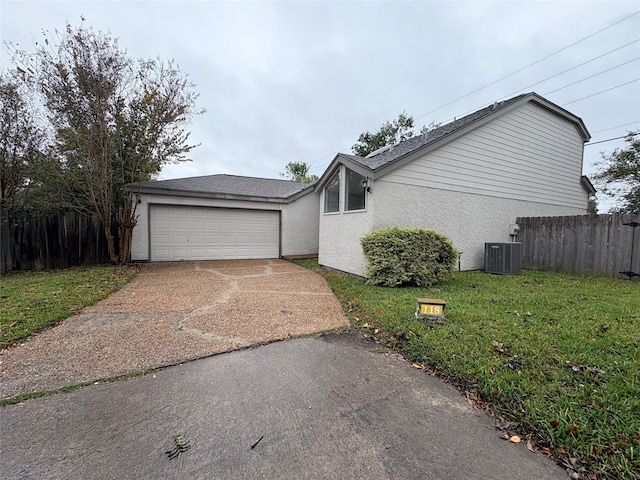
x: 415, y: 365
x: 515, y: 439
x: 530, y: 445
x: 153, y: 375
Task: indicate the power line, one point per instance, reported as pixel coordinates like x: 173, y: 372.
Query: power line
x: 572, y: 68
x: 617, y: 126
x: 565, y: 71
x: 532, y: 64
x: 607, y: 140
x: 573, y: 101
x: 591, y: 76
x: 602, y: 91
x: 527, y: 66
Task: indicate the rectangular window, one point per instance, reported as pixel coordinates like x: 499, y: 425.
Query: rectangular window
x: 354, y: 191
x: 332, y: 194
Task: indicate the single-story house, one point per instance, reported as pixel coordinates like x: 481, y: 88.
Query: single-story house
x: 219, y: 217
x: 469, y: 179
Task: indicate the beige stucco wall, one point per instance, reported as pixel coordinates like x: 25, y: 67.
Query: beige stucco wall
x: 299, y: 225
x: 469, y: 220
x: 340, y: 233
x: 339, y: 246
x: 298, y: 221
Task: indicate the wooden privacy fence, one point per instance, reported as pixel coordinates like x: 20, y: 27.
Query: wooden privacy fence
x: 583, y: 244
x: 53, y: 241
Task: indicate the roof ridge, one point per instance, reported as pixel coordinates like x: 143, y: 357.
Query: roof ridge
x: 405, y: 147
x: 252, y: 177
x: 222, y: 175
x: 230, y: 185
x: 492, y: 107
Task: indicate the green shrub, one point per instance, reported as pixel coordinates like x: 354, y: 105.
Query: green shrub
x: 400, y: 256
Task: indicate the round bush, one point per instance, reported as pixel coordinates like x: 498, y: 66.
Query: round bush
x: 399, y: 256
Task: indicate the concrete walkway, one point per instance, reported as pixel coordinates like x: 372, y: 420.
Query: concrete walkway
x: 170, y: 313
x: 332, y: 407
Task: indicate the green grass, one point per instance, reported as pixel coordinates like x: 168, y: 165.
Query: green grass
x: 33, y: 301
x: 21, y: 397
x: 557, y: 356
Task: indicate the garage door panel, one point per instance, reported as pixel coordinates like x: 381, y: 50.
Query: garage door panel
x: 179, y: 224
x: 160, y: 239
x: 200, y: 233
x: 162, y: 254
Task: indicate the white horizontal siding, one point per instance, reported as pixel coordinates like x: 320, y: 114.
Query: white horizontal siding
x: 528, y: 153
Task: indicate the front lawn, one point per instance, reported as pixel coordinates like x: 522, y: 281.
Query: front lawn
x: 32, y: 301
x: 554, y: 357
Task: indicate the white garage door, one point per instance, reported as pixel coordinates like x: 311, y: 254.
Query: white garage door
x: 201, y: 233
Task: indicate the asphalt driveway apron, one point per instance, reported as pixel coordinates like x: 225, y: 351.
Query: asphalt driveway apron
x: 328, y: 407
x: 171, y: 313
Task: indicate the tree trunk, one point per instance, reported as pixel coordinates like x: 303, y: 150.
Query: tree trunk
x: 113, y: 255
x: 125, y: 232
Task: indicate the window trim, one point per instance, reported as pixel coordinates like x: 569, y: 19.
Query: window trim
x: 325, y: 191
x: 341, y: 172
x: 346, y: 196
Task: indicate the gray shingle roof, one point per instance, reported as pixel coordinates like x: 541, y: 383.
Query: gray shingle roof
x: 228, y: 185
x: 418, y: 141
x: 407, y: 146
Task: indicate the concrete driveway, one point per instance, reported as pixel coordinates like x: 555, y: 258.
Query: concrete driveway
x: 332, y: 407
x: 171, y: 313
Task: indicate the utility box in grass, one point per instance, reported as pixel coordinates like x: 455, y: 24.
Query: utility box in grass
x: 431, y: 308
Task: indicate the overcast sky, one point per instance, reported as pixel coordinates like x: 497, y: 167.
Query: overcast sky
x: 299, y: 81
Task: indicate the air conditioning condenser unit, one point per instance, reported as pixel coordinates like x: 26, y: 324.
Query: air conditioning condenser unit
x: 503, y: 258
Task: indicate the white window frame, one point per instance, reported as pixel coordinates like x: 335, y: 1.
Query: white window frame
x: 337, y: 173
x: 346, y: 196
x: 342, y: 192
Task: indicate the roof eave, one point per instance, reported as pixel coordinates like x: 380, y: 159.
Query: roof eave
x: 544, y: 103
x: 306, y: 190
x: 587, y: 185
x: 344, y: 160
x: 223, y: 196
x: 327, y: 174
